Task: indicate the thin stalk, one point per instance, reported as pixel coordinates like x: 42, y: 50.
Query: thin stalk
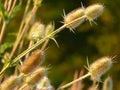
x: 4, y: 23
x: 9, y: 5
x: 27, y: 7
x: 22, y: 22
x: 45, y: 44
x: 25, y: 13
x: 22, y: 87
x: 4, y: 68
x: 5, y: 5
x: 81, y: 78
x: 2, y: 32
x: 23, y: 31
x: 28, y: 50
x: 13, y: 5
x: 51, y: 35
x: 30, y: 44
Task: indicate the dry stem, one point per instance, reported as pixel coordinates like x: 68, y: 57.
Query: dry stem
x: 81, y: 78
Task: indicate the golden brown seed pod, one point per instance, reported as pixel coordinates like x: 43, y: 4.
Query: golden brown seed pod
x: 32, y: 62
x: 94, y: 11
x: 75, y: 14
x: 36, y: 76
x: 10, y: 83
x: 99, y: 67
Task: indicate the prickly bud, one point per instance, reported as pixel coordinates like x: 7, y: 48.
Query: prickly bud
x: 94, y: 11
x: 36, y: 76
x: 75, y: 14
x: 49, y: 29
x: 10, y: 83
x: 37, y: 31
x: 44, y: 84
x: 99, y: 67
x: 32, y: 62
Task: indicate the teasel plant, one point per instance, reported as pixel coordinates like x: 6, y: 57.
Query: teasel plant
x: 95, y: 71
x: 29, y: 72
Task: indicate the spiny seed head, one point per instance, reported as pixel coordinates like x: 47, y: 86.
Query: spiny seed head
x: 44, y: 84
x: 33, y: 28
x: 32, y: 62
x: 36, y: 76
x: 94, y: 11
x: 99, y: 67
x: 75, y: 14
x: 10, y: 83
x: 37, y: 31
x: 49, y: 28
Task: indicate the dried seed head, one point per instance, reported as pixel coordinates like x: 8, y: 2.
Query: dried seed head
x: 75, y: 14
x: 99, y: 67
x: 32, y: 62
x: 44, y: 84
x: 33, y: 28
x: 37, y: 31
x: 49, y: 28
x: 36, y: 76
x: 10, y: 83
x: 94, y: 11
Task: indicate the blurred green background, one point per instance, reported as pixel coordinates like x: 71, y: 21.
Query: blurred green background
x: 89, y: 41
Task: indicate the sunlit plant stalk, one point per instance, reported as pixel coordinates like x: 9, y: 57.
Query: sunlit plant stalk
x: 51, y: 35
x: 9, y: 9
x: 95, y: 71
x: 24, y: 28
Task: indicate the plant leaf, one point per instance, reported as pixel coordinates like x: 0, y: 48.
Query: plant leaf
x: 5, y: 46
